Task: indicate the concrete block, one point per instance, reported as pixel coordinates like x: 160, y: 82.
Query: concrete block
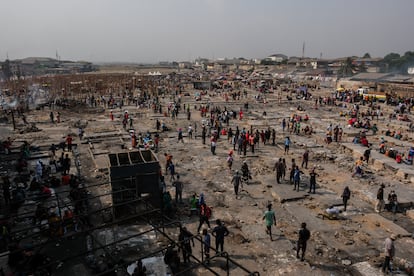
x: 410, y: 214
x: 401, y: 174
x: 387, y: 225
x: 378, y: 165
x: 366, y: 269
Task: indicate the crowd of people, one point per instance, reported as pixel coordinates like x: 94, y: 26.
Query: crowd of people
x: 220, y: 124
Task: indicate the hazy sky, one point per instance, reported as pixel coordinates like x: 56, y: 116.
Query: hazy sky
x: 178, y: 30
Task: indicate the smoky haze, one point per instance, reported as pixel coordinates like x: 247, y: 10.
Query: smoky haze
x: 179, y: 30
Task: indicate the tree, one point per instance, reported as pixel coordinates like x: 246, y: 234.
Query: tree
x: 391, y: 56
x: 366, y: 55
x: 397, y: 63
x: 347, y: 69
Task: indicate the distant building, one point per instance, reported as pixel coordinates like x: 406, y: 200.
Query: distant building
x: 278, y: 58
x: 185, y: 65
x: 40, y: 65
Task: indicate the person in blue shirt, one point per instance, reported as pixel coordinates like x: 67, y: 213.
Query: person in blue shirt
x: 287, y: 144
x: 206, y: 245
x: 296, y: 178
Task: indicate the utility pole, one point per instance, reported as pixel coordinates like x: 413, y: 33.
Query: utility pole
x: 303, y: 50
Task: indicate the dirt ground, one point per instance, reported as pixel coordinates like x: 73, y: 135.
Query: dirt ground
x: 335, y: 245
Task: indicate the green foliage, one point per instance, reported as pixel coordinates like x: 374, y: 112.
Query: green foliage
x: 367, y: 55
x: 399, y: 64
x: 347, y: 69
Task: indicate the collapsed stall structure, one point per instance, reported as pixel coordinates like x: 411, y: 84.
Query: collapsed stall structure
x: 134, y: 174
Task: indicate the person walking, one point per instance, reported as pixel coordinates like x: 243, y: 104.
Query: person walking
x: 203, y: 134
x: 206, y: 245
x: 219, y: 232
x: 236, y: 182
x: 190, y: 132
x: 292, y: 171
x: 346, y: 194
x: 69, y: 140
x: 277, y: 167
x: 305, y: 159
x: 287, y: 144
x: 66, y: 164
x: 270, y: 219
x: 185, y: 238
x: 312, y: 181
x: 171, y: 168
x: 6, y: 189
x: 213, y: 145
x: 296, y: 178
x: 178, y: 189
x: 304, y: 235
x: 380, y: 199
x: 389, y: 250
x: 180, y: 136
x: 367, y: 154
x: 284, y: 168
x: 230, y: 160
x: 205, y: 213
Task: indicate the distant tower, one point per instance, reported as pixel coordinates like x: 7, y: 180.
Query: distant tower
x: 320, y: 57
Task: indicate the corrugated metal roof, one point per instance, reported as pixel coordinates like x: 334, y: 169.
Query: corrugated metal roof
x: 370, y: 76
x: 398, y: 78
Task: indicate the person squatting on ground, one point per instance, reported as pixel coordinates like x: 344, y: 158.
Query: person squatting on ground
x: 304, y: 235
x: 270, y: 219
x: 219, y: 232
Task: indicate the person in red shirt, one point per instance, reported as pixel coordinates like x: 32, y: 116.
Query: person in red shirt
x: 65, y: 179
x: 364, y: 142
x: 398, y: 158
x: 69, y: 140
x: 46, y: 192
x: 251, y: 142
